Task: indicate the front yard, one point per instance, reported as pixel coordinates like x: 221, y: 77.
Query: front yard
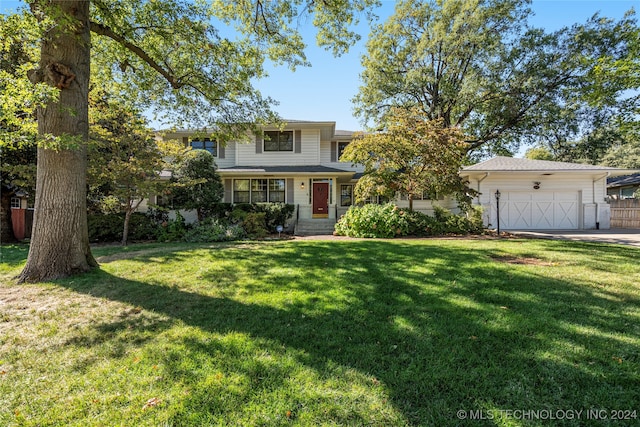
x: 303, y: 332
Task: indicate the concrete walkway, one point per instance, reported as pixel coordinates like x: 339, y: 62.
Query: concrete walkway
x: 614, y: 235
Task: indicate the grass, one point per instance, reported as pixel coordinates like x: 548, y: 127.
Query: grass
x: 345, y: 332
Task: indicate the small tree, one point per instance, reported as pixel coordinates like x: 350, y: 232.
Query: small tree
x: 413, y: 156
x: 198, y: 184
x: 125, y: 161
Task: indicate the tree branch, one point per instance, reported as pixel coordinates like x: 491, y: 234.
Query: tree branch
x: 103, y: 30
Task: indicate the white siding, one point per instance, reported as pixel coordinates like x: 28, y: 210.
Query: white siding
x: 229, y: 156
x: 310, y: 153
x: 562, y: 188
x: 325, y: 159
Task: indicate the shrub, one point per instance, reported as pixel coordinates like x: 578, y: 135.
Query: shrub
x: 254, y: 225
x: 275, y: 213
x: 386, y: 221
x: 173, y: 230
x: 374, y: 221
x: 104, y: 228
x: 213, y: 230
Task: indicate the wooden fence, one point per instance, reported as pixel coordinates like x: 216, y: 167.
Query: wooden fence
x: 625, y: 213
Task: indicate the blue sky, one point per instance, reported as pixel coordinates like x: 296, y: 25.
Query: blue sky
x: 323, y: 92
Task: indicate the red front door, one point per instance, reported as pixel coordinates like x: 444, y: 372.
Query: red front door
x: 320, y: 199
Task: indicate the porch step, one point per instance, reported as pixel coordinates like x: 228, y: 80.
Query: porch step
x: 312, y: 227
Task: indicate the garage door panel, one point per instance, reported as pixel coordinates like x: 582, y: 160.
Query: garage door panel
x: 566, y: 215
x: 539, y: 210
x: 518, y: 214
x: 542, y: 214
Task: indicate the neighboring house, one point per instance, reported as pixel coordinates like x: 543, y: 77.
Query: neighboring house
x: 623, y: 187
x: 298, y: 165
x: 15, y: 216
x: 540, y: 194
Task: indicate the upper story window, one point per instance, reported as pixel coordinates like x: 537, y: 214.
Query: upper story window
x: 205, y: 144
x: 15, y: 203
x: 341, y: 146
x: 278, y: 140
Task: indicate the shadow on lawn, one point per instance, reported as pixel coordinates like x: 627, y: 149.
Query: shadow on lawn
x: 442, y: 328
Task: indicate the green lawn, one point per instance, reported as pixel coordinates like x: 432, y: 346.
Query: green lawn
x: 349, y: 332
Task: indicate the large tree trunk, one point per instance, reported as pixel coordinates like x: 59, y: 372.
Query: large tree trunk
x: 60, y: 241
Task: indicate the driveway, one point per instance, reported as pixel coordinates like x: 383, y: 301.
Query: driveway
x: 615, y: 235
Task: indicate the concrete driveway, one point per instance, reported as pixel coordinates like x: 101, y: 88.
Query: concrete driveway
x: 614, y: 235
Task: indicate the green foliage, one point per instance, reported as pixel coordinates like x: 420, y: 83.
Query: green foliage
x: 412, y: 156
x: 197, y: 184
x: 107, y: 228
x: 388, y: 221
x: 538, y: 153
x: 479, y: 66
x: 624, y: 155
x: 255, y: 224
x: 173, y: 230
x: 321, y: 333
x: 214, y: 230
x: 275, y: 213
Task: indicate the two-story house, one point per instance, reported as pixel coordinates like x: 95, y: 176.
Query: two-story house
x: 297, y: 165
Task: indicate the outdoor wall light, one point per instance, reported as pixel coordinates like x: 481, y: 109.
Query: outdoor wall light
x: 536, y: 185
x: 302, y: 185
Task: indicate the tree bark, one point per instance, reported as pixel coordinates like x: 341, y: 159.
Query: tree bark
x: 125, y: 231
x: 60, y: 242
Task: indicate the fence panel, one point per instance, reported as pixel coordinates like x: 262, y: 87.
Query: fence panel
x: 625, y: 213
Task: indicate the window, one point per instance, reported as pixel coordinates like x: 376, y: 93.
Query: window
x: 276, y: 190
x: 425, y: 196
x: 241, y: 193
x: 376, y: 200
x: 341, y: 146
x: 15, y: 203
x: 627, y: 193
x: 346, y: 195
x: 206, y: 144
x: 259, y: 190
x: 278, y: 141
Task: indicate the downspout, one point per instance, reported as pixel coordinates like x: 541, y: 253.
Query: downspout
x: 479, y: 181
x: 593, y: 196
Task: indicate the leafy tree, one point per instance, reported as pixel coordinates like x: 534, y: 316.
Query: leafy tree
x: 168, y: 55
x: 125, y: 160
x: 18, y: 101
x: 199, y: 185
x: 538, y: 153
x: 413, y: 156
x: 624, y: 155
x: 475, y: 64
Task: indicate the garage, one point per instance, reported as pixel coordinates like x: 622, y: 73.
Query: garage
x: 541, y: 210
x: 541, y: 194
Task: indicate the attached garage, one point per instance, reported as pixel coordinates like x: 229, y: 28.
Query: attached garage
x: 540, y: 194
x: 540, y: 210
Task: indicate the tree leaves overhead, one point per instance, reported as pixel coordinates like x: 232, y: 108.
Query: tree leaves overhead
x: 194, y: 62
x: 478, y: 65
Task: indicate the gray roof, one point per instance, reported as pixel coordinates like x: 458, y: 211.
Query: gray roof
x: 512, y: 164
x: 620, y: 181
x: 283, y: 169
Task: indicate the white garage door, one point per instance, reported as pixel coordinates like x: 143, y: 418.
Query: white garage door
x: 539, y: 210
